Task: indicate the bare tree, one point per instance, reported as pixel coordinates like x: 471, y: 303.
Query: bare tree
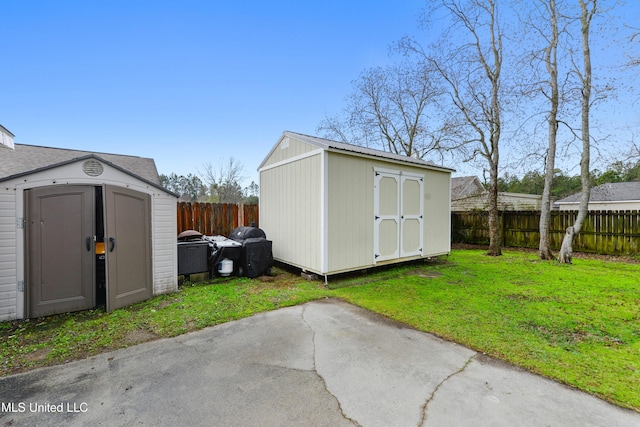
x: 551, y: 65
x: 225, y: 181
x: 635, y: 36
x: 588, y: 9
x: 471, y: 69
x: 393, y: 108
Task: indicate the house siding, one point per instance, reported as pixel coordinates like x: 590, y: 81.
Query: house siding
x: 506, y: 202
x: 631, y: 205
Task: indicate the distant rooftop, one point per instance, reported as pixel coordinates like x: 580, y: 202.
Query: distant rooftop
x: 615, y: 191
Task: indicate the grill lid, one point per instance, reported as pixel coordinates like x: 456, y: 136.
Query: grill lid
x: 240, y: 234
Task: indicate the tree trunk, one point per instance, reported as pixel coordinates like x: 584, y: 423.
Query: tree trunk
x: 566, y: 251
x: 544, y: 248
x: 495, y: 238
x: 552, y: 67
x: 585, y: 21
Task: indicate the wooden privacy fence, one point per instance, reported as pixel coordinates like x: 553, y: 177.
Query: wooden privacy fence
x: 215, y: 219
x: 606, y: 232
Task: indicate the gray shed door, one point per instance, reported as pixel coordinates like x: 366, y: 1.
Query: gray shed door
x: 60, y: 252
x: 128, y: 246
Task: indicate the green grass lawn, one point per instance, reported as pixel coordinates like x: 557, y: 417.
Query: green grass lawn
x: 578, y: 324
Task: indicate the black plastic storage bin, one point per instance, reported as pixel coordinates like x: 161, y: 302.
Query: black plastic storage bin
x: 193, y: 257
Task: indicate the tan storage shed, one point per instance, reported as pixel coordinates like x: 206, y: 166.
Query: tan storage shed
x: 331, y: 207
x: 81, y: 229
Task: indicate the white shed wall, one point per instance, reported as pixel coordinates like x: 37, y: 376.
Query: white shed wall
x: 437, y: 213
x: 291, y: 211
x: 164, y: 248
x: 8, y: 255
x: 351, y: 211
x: 12, y: 238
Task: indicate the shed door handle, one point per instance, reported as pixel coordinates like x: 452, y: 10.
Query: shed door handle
x: 112, y: 240
x: 88, y: 243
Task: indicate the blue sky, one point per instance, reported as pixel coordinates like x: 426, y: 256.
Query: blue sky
x: 186, y: 82
x: 195, y: 82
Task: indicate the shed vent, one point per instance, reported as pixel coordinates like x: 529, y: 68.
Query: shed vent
x: 92, y: 168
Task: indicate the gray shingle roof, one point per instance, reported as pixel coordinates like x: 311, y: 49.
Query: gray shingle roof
x: 327, y: 144
x: 29, y: 158
x: 465, y: 186
x: 616, y: 191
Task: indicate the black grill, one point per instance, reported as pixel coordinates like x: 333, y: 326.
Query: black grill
x: 256, y: 257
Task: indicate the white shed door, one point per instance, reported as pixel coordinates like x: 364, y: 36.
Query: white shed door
x: 411, y: 220
x: 398, y: 215
x: 386, y: 199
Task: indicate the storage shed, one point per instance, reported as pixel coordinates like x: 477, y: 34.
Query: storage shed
x: 81, y: 229
x: 331, y: 207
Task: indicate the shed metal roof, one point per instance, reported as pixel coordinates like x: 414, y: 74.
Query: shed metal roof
x: 327, y: 144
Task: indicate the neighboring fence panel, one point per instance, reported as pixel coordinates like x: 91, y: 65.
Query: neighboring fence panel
x: 215, y: 219
x: 606, y: 232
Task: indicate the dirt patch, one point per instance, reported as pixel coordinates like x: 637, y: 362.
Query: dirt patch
x: 428, y: 274
x: 166, y: 303
x: 139, y: 336
x: 279, y: 281
x: 38, y: 355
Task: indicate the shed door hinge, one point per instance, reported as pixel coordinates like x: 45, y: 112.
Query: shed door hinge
x: 21, y: 286
x: 20, y: 222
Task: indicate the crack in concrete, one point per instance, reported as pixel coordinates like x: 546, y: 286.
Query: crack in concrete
x: 315, y: 370
x: 435, y: 390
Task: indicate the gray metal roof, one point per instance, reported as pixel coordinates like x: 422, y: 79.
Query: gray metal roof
x: 328, y: 144
x: 611, y: 192
x: 26, y: 159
